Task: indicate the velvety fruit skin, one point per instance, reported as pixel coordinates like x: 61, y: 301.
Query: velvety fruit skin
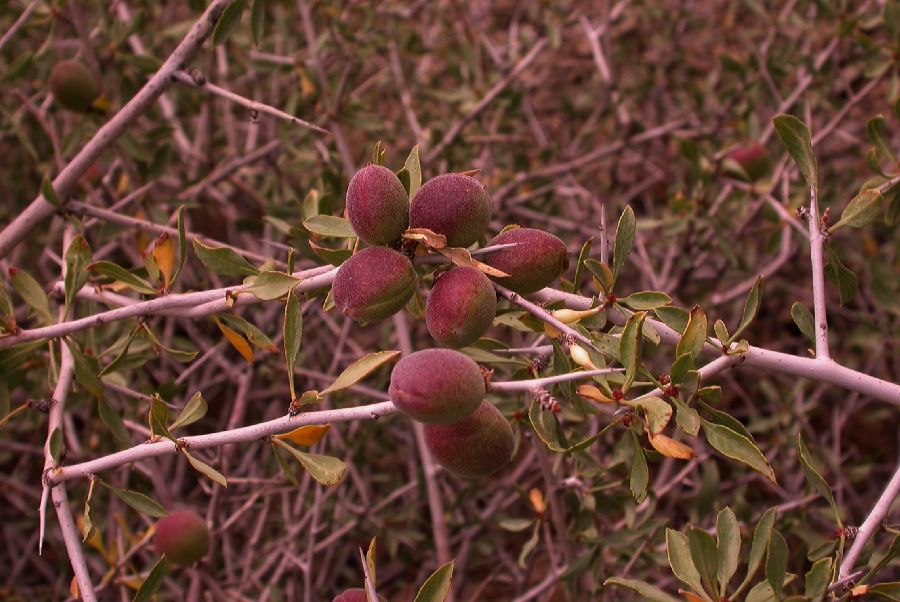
x: 182, y: 536
x: 753, y: 159
x: 377, y: 205
x: 374, y: 284
x: 538, y: 260
x: 461, y: 307
x: 474, y: 447
x: 453, y: 204
x: 73, y: 86
x: 355, y: 594
x: 436, y: 386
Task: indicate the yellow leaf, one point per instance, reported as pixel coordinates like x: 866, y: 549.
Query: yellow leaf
x: 671, y: 448
x: 581, y: 357
x: 424, y: 235
x: 134, y: 583
x: 143, y: 237
x: 73, y: 589
x: 164, y: 257
x: 551, y: 331
x: 123, y: 186
x: 306, y: 435
x: 237, y: 341
x: 593, y: 393
x: 859, y: 590
x: 102, y: 103
x: 464, y: 258
x: 690, y: 596
x: 537, y: 500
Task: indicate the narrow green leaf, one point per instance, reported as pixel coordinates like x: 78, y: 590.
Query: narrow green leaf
x: 250, y: 331
x: 223, y: 260
x: 579, y: 267
x: 631, y: 346
x: 192, y: 412
x: 804, y: 320
x: 78, y: 256
x: 119, y: 274
x: 886, y: 591
x: 228, y: 22
x: 840, y: 276
x: 327, y: 470
x: 751, y: 308
x: 286, y: 468
x: 437, y: 587
x: 56, y: 444
x: 602, y: 275
x: 646, y: 300
x: 545, y: 425
x: 529, y: 545
x: 818, y: 578
x: 113, y: 421
x: 87, y: 518
x: 815, y: 479
x: 640, y: 473
x: 153, y: 581
x: 258, y: 21
x: 205, y: 469
x: 179, y: 355
x: 656, y: 411
x: 270, y: 285
x: 329, y: 225
x: 182, y: 245
x: 721, y: 331
x: 876, y: 131
x: 796, y: 139
x: 673, y: 317
x: 625, y: 230
x: 413, y: 167
x: 359, y: 369
x: 694, y: 336
x: 893, y: 550
x: 728, y: 547
x: 758, y: 546
x: 49, y: 192
x: 293, y: 335
x: 704, y: 555
x: 864, y: 209
x: 31, y: 293
x: 86, y: 370
x: 678, y: 550
x: 761, y: 592
x: 737, y: 447
x: 138, y: 501
x: 645, y: 590
x: 686, y: 417
x: 776, y: 562
x: 159, y: 418
x: 680, y: 369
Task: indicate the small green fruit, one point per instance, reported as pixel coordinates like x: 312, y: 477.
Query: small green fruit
x: 461, y: 307
x: 377, y: 205
x: 73, y: 85
x: 355, y: 594
x: 436, y: 386
x: 182, y: 536
x: 474, y: 447
x: 453, y: 204
x: 374, y: 284
x: 753, y: 159
x: 537, y: 261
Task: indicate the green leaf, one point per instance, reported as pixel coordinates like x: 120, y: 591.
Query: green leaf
x: 579, y: 267
x: 704, y: 555
x: 359, y: 369
x: 49, y: 192
x: 886, y: 591
x: 761, y: 592
x: 545, y: 425
x: 656, y: 411
x: 138, y: 501
x: 645, y: 590
x: 728, y: 547
x: 86, y: 370
x: 269, y: 285
x: 624, y: 240
x: 153, y: 581
x: 159, y: 418
x: 796, y: 139
x: 56, y: 445
x: 32, y: 293
x: 630, y: 347
x: 646, y: 300
x: 686, y: 417
x: 258, y: 21
x: 804, y: 320
x: 78, y: 256
x: 119, y: 274
x: 229, y: 21
x: 758, y: 546
x: 192, y: 412
x: 293, y: 335
x: 327, y: 470
x: 680, y: 369
x: 776, y: 562
x: 205, y: 469
x: 223, y: 260
x: 250, y: 331
x: 737, y: 447
x: 678, y: 550
x: 286, y: 469
x: 413, y: 167
x: 179, y: 355
x: 113, y: 421
x: 721, y: 331
x: 694, y: 336
x: 751, y: 308
x: 640, y: 473
x: 673, y: 317
x: 875, y: 130
x: 530, y: 545
x: 815, y: 479
x: 893, y: 550
x: 329, y: 225
x: 602, y: 274
x: 182, y: 245
x: 437, y: 587
x: 818, y: 578
x: 864, y: 209
x: 725, y: 420
x: 840, y: 276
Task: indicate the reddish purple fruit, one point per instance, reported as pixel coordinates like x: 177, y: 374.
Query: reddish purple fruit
x: 453, y: 204
x: 73, y: 85
x: 753, y: 159
x: 474, y: 447
x: 374, y: 284
x: 436, y: 386
x: 537, y: 261
x: 377, y: 205
x: 355, y: 594
x: 461, y: 307
x: 182, y: 536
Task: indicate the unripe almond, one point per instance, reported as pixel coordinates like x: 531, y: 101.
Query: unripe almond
x: 436, y: 386
x: 477, y: 446
x: 374, y: 284
x: 461, y: 307
x: 452, y: 204
x: 355, y: 594
x: 182, y: 536
x: 377, y: 205
x: 73, y: 85
x: 537, y: 260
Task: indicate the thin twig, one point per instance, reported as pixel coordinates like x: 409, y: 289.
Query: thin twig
x: 879, y: 512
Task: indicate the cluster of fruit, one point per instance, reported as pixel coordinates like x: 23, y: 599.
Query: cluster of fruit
x: 378, y: 281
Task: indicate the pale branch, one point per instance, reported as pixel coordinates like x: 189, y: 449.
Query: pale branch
x: 872, y: 523
x: 197, y: 80
x: 537, y: 383
x: 254, y: 432
x: 41, y: 208
x: 817, y: 259
x: 8, y: 35
x: 72, y: 539
x: 541, y: 314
